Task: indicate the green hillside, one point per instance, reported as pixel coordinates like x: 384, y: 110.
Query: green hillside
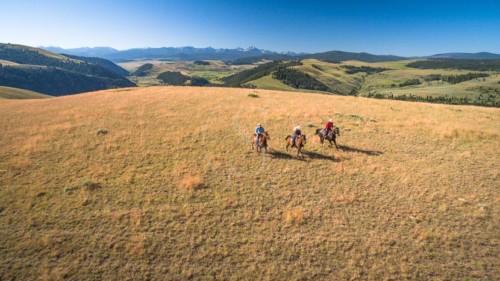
x: 41, y: 71
x: 103, y: 62
x: 18, y: 94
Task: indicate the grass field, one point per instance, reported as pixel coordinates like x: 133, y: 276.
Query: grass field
x: 161, y: 183
x: 15, y: 93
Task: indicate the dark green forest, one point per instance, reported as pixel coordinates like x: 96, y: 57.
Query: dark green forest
x: 238, y: 79
x: 175, y: 78
x: 298, y: 79
x: 462, y: 64
x: 351, y: 69
x: 141, y: 71
x: 56, y: 82
x: 103, y: 62
x: 409, y: 82
x: 455, y: 79
x: 200, y: 62
x: 488, y: 101
x: 199, y: 81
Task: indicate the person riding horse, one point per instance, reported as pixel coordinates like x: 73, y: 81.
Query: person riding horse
x: 259, y: 131
x: 328, y: 126
x: 296, y: 134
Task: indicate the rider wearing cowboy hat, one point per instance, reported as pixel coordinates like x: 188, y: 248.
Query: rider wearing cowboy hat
x: 296, y: 134
x: 259, y: 130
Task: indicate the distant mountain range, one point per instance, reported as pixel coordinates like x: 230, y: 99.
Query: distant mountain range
x: 174, y: 53
x: 242, y: 56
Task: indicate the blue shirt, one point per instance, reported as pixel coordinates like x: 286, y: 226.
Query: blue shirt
x: 259, y: 130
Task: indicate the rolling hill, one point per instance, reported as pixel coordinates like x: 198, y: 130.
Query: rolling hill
x: 19, y: 94
x: 48, y: 73
x: 103, y: 62
x: 161, y: 182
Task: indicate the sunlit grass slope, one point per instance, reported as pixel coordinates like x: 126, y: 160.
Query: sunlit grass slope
x: 160, y: 183
x: 15, y: 93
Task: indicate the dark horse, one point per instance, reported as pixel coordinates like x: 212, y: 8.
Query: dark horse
x: 331, y: 136
x: 262, y: 141
x: 299, y: 142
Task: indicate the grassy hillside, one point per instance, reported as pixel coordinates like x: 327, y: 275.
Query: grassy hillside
x: 381, y: 83
x: 33, y: 49
x: 104, y: 62
x: 41, y: 71
x: 168, y: 188
x: 14, y: 93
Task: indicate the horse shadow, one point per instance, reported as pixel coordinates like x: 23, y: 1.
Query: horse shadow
x: 367, y: 152
x: 314, y: 155
x: 311, y: 155
x: 281, y: 155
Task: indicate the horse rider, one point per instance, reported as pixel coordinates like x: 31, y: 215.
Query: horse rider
x: 259, y: 130
x: 296, y: 134
x: 328, y: 126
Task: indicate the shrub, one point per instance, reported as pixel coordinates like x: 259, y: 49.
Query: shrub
x: 347, y: 129
x: 102, y: 131
x: 309, y: 124
x: 253, y: 95
x: 88, y: 184
x: 372, y: 120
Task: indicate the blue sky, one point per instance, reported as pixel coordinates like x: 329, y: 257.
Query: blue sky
x: 404, y: 28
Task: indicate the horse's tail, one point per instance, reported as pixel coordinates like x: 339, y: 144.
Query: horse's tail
x: 287, y: 137
x: 318, y: 131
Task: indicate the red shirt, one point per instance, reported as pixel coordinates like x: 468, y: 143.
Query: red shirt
x: 329, y: 125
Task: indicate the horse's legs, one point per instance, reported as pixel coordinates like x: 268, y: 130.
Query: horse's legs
x: 322, y: 141
x: 335, y: 144
x: 265, y: 148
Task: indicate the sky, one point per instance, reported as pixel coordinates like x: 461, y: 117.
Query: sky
x: 405, y: 28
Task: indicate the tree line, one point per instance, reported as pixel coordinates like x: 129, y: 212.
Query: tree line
x: 462, y: 64
x: 240, y: 78
x: 103, y: 62
x: 175, y: 78
x: 351, y: 69
x: 298, y: 79
x: 439, y: 99
x: 200, y: 62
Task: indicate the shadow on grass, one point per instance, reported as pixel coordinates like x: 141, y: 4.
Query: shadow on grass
x: 293, y: 155
x: 281, y: 155
x: 352, y: 149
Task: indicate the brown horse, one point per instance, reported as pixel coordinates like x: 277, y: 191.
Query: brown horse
x: 299, y: 142
x: 331, y: 136
x: 262, y: 141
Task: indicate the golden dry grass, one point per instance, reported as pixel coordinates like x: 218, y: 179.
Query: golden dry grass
x: 15, y: 93
x: 414, y: 195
